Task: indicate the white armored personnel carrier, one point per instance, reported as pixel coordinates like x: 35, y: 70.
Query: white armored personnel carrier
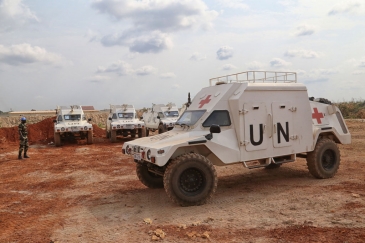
x: 260, y: 119
x: 123, y: 121
x: 71, y: 123
x: 160, y: 117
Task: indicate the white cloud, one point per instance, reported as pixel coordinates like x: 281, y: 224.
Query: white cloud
x: 255, y: 65
x: 167, y: 75
x: 225, y: 52
x: 304, y: 30
x: 151, y: 44
x: 358, y: 72
x: 235, y: 4
x: 25, y: 54
x: 277, y: 62
x: 361, y: 63
x: 323, y: 72
x: 228, y: 67
x: 301, y: 53
x: 145, y: 70
x: 98, y: 79
x: 345, y: 7
x: 13, y: 13
x: 119, y: 67
x: 196, y: 56
x: 175, y: 86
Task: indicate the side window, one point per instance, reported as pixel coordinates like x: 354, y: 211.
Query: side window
x: 220, y: 118
x: 59, y: 118
x: 114, y: 116
x: 161, y: 115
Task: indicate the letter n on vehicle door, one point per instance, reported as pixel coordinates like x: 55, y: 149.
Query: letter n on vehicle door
x: 282, y: 124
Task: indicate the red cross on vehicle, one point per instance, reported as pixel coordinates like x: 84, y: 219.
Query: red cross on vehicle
x: 317, y: 115
x: 205, y: 101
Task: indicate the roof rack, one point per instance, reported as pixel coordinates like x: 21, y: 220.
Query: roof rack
x: 257, y: 76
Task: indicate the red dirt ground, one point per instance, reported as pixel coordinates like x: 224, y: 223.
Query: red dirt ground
x: 90, y: 193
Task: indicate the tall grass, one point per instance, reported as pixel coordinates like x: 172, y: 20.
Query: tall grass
x: 354, y: 109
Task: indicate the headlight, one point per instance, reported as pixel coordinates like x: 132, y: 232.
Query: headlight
x: 85, y: 127
x: 118, y: 126
x: 139, y: 125
x: 62, y: 129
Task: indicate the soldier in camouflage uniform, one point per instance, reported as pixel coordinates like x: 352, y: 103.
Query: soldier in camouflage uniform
x: 23, y: 136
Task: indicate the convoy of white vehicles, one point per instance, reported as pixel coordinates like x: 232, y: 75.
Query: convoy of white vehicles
x: 71, y: 123
x: 260, y: 119
x: 122, y: 121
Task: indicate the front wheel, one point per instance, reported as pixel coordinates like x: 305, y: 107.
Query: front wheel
x: 324, y: 161
x: 148, y: 178
x: 89, y: 137
x: 57, y: 139
x: 113, y: 136
x: 190, y: 180
x: 161, y: 129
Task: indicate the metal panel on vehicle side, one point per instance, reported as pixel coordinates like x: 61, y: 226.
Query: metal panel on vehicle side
x: 255, y: 118
x: 282, y: 123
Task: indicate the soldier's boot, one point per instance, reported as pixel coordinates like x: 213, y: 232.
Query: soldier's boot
x: 25, y: 153
x: 20, y: 155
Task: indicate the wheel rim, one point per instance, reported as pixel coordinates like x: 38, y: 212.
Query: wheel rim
x: 328, y: 159
x: 192, y: 181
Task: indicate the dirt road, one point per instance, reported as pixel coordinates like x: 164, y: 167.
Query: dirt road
x: 90, y: 193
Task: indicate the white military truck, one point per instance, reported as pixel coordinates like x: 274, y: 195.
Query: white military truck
x: 71, y: 123
x: 160, y: 117
x: 259, y: 119
x: 122, y: 121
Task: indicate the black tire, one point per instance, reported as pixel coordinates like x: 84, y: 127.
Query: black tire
x: 141, y: 132
x: 147, y: 132
x: 89, y: 137
x: 324, y: 161
x: 161, y: 129
x: 57, y: 139
x: 190, y: 180
x: 149, y: 179
x: 113, y: 136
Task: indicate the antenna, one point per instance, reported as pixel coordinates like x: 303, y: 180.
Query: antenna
x: 189, y: 100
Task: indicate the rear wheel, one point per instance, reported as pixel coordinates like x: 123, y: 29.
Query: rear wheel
x: 141, y: 132
x: 57, y: 139
x: 113, y: 136
x: 324, y: 161
x: 190, y: 179
x: 148, y: 178
x: 89, y: 137
x: 161, y: 129
x: 147, y: 132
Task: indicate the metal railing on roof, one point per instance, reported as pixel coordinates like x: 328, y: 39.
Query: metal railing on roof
x: 257, y: 76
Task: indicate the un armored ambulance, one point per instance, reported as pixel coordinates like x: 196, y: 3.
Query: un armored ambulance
x: 260, y: 119
x: 122, y: 121
x: 71, y: 123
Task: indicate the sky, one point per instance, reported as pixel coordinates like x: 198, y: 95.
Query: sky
x: 140, y: 52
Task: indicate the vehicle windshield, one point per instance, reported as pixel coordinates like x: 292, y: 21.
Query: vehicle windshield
x: 125, y: 115
x: 72, y: 117
x: 190, y: 117
x: 171, y: 113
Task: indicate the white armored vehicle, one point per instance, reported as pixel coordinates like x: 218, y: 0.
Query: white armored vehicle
x: 123, y: 121
x: 160, y: 117
x: 259, y: 119
x: 71, y: 123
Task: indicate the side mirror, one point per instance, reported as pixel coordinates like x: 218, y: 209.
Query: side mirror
x: 89, y: 119
x: 141, y: 118
x: 215, y: 129
x: 158, y: 117
x: 54, y: 121
x: 110, y: 118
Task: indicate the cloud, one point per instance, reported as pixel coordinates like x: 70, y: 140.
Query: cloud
x: 145, y: 70
x: 345, y: 7
x: 304, y: 30
x: 123, y: 68
x: 358, y: 72
x: 98, y: 79
x: 301, y: 53
x: 119, y: 67
x: 228, y: 67
x: 147, y: 24
x: 26, y: 54
x: 151, y: 44
x: 277, y: 62
x: 13, y: 14
x: 235, y: 4
x: 196, y: 56
x: 225, y: 52
x: 322, y: 72
x: 361, y: 63
x: 255, y: 65
x: 175, y: 86
x: 167, y: 75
